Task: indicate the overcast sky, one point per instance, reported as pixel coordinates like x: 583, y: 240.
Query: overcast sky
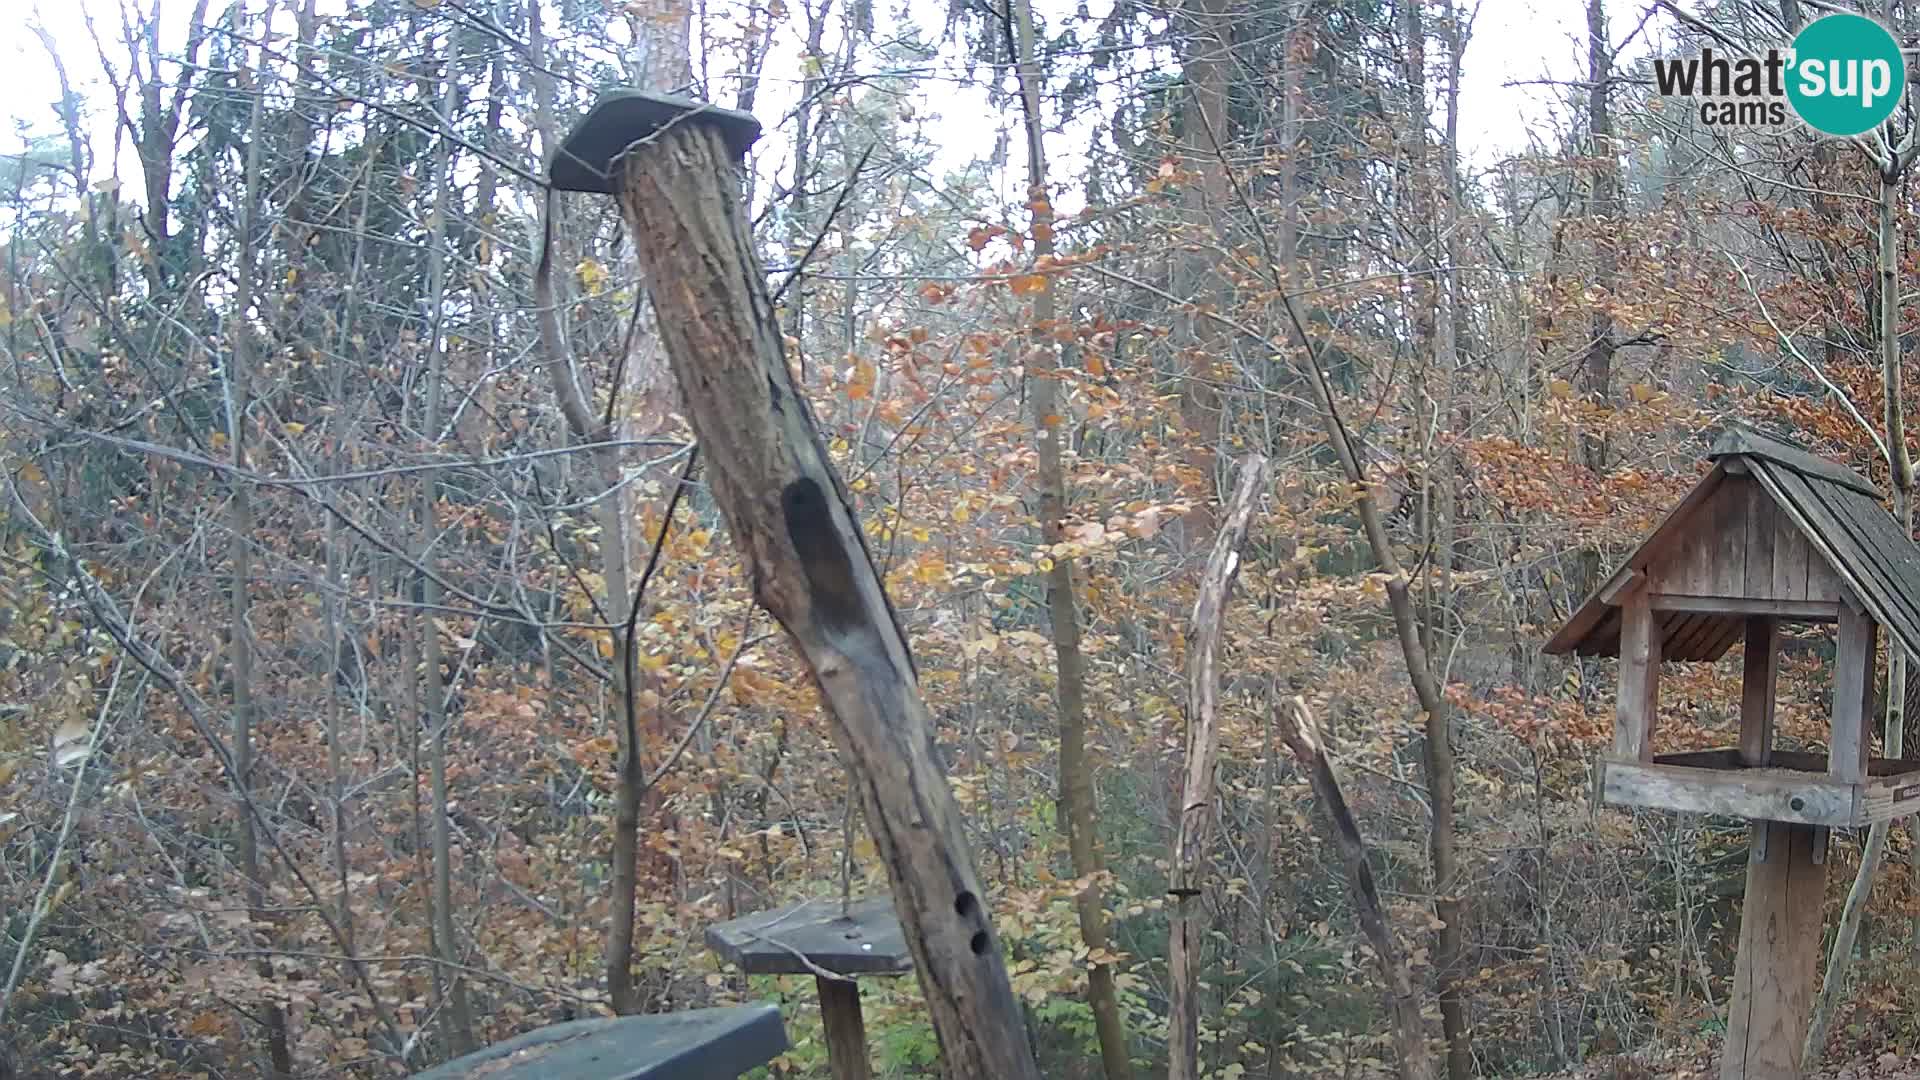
x: 1514, y: 42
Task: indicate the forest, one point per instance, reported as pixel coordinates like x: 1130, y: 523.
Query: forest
x: 380, y: 677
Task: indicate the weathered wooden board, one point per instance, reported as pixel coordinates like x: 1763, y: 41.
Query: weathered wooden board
x: 711, y: 1043
x: 1757, y: 680
x: 1772, y: 794
x: 1791, y: 556
x: 864, y: 939
x: 1762, y: 527
x: 1794, y: 610
x: 1779, y: 954
x: 1719, y: 781
x: 1848, y: 748
x: 1892, y: 771
x: 1639, y: 688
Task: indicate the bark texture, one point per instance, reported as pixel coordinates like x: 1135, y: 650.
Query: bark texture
x: 1187, y: 929
x: 793, y: 523
x: 1077, y: 794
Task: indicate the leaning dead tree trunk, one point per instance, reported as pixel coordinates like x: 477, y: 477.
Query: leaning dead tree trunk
x: 1403, y: 1005
x: 1186, y: 929
x: 793, y: 523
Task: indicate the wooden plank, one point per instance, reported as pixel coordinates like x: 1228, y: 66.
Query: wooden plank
x: 1760, y: 795
x: 1639, y: 688
x: 1760, y: 526
x: 1719, y: 758
x: 1727, y: 568
x: 1858, y: 546
x: 1881, y: 531
x: 1780, y: 927
x: 1700, y: 645
x: 1623, y: 579
x: 1887, y: 799
x: 1852, y: 681
x: 713, y: 1043
x: 1789, y: 556
x: 1889, y: 552
x: 1674, y: 629
x: 1792, y: 610
x: 1758, y: 677
x: 1717, y: 637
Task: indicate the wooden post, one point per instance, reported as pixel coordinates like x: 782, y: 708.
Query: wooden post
x: 1780, y: 928
x: 675, y: 168
x: 1639, y: 691
x: 1756, y: 690
x: 1852, y: 686
x: 846, y: 1028
x: 1186, y: 926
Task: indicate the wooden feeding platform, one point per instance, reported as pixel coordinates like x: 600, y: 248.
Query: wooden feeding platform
x: 835, y: 943
x: 1790, y: 787
x: 1772, y: 535
x: 698, y: 1044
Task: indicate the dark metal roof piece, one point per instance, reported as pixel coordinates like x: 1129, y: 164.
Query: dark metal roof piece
x: 585, y: 159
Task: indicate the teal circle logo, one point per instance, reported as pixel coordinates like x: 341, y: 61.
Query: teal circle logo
x: 1847, y: 74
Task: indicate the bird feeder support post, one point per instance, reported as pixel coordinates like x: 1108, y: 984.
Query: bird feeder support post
x: 846, y: 1028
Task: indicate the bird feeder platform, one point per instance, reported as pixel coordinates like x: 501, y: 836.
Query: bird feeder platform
x: 698, y: 1044
x: 1790, y: 787
x: 1771, y: 536
x: 835, y: 945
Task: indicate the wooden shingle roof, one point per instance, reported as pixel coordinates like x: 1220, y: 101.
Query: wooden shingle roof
x: 1833, y: 512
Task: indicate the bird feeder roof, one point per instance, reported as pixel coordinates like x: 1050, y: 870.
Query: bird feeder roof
x: 1758, y: 485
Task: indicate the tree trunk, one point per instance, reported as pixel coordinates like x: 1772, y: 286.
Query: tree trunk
x: 1186, y: 929
x: 613, y: 515
x: 1449, y: 953
x: 458, y: 1020
x: 1596, y: 368
x: 1077, y: 794
x: 239, y: 374
x: 1204, y: 130
x: 1840, y: 960
x: 792, y: 520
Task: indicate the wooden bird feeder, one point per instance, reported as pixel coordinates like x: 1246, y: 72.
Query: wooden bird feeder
x: 834, y: 943
x: 1773, y: 535
x: 698, y: 1044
